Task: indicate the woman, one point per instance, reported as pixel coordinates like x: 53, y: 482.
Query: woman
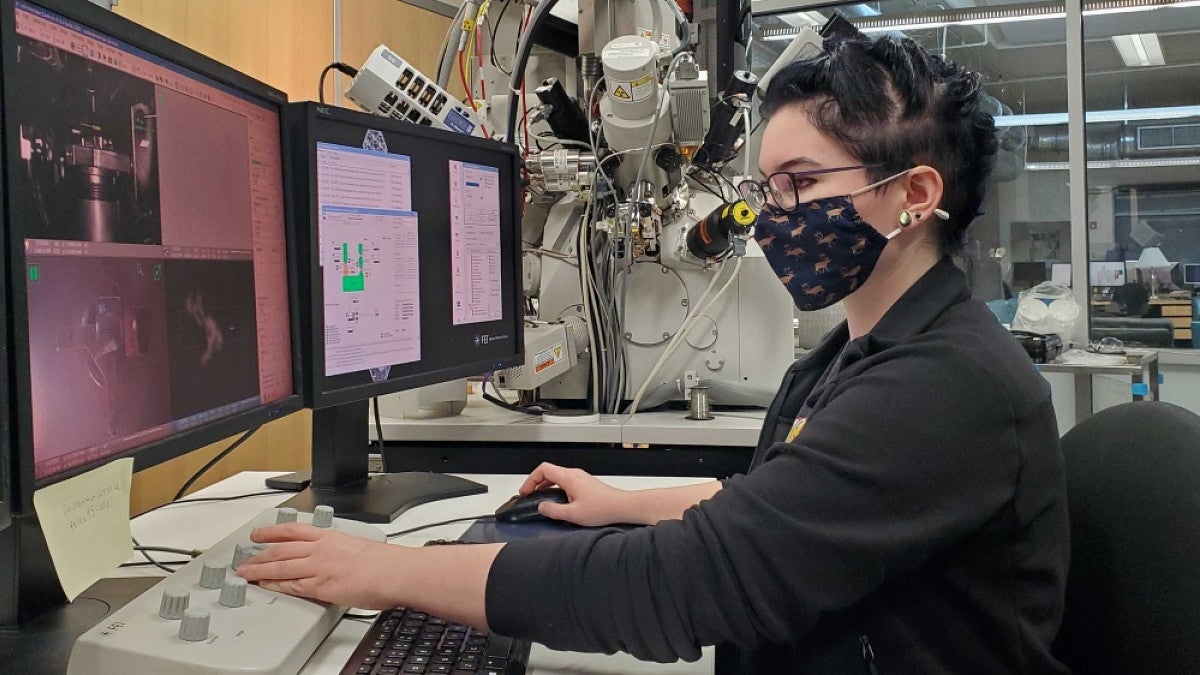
x: 905, y: 510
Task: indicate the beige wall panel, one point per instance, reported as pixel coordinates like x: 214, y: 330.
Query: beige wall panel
x: 284, y: 43
x: 411, y: 32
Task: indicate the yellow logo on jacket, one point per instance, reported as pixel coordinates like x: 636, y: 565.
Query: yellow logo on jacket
x: 797, y: 427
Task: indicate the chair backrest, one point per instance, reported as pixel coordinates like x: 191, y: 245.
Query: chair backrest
x: 1133, y: 493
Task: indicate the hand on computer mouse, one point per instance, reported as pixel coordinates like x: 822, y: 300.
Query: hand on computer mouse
x: 592, y: 501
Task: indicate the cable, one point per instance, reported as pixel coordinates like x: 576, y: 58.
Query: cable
x: 344, y: 68
x: 637, y: 183
x: 159, y: 562
x: 167, y: 549
x: 378, y: 425
x: 221, y: 455
x: 524, y: 47
x: 495, y: 29
x: 149, y: 559
x: 196, y: 500
x: 688, y: 323
x: 401, y: 533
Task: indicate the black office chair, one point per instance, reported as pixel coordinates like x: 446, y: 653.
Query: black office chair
x: 1133, y: 493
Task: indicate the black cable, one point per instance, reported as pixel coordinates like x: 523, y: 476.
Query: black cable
x: 401, y: 533
x: 151, y: 560
x: 160, y: 562
x: 534, y: 408
x: 535, y: 23
x: 196, y: 500
x: 167, y: 549
x: 220, y: 456
x: 344, y: 68
x: 495, y: 29
x: 378, y: 425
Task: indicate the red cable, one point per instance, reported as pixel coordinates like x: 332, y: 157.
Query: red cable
x: 462, y: 73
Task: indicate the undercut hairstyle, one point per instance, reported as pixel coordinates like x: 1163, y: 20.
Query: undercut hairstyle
x: 889, y: 102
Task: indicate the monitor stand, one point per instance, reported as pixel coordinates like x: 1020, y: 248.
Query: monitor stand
x: 340, y: 479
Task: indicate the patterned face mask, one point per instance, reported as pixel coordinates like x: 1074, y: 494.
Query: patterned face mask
x: 821, y: 250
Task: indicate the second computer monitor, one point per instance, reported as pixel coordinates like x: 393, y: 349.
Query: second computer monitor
x: 412, y: 253
x: 410, y: 275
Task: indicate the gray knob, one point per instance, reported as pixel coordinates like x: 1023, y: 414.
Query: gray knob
x: 244, y: 552
x: 323, y: 516
x: 174, y: 603
x: 212, y: 575
x: 285, y: 515
x: 194, y: 627
x: 233, y: 593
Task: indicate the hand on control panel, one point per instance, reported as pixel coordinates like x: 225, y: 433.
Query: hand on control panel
x: 313, y: 562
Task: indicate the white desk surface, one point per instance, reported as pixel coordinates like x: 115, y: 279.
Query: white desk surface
x: 483, y: 421
x: 201, y: 524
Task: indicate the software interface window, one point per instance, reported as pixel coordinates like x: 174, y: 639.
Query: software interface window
x: 369, y: 259
x: 142, y: 232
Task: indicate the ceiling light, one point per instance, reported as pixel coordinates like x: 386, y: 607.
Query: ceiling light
x: 1097, y: 116
x: 1008, y: 14
x: 1139, y: 49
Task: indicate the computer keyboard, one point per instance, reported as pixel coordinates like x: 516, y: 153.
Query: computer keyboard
x: 204, y: 619
x: 404, y: 640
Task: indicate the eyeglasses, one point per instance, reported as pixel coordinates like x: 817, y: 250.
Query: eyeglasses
x: 783, y: 187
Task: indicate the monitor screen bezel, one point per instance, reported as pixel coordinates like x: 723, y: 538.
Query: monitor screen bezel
x: 1194, y: 268
x: 302, y: 117
x: 21, y: 460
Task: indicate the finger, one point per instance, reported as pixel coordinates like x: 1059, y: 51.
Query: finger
x: 289, y: 532
x: 279, y: 570
x: 284, y: 551
x: 539, y: 478
x: 288, y: 586
x: 555, y: 511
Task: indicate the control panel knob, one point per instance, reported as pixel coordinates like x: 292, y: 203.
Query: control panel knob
x: 243, y: 552
x: 233, y: 593
x: 174, y: 603
x: 285, y: 515
x: 323, y: 516
x: 212, y: 575
x: 194, y: 627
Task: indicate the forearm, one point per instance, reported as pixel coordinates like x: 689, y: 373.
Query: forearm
x: 447, y: 581
x: 647, y: 507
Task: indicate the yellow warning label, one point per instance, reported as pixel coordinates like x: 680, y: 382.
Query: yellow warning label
x: 620, y: 93
x: 643, y: 87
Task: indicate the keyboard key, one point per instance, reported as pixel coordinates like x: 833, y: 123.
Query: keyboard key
x: 389, y: 671
x: 369, y: 661
x: 418, y: 615
x: 445, y: 658
x: 409, y: 631
x: 440, y: 668
x: 427, y: 642
x: 415, y: 668
x: 435, y: 621
x: 497, y: 662
x: 364, y: 670
x: 393, y: 663
x: 473, y: 649
x: 374, y: 651
x: 423, y: 651
x: 467, y: 665
x: 477, y: 641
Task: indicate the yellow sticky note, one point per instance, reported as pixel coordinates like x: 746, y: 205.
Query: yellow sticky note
x: 86, y: 523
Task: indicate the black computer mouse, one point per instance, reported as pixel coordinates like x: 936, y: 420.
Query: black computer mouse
x: 524, y: 509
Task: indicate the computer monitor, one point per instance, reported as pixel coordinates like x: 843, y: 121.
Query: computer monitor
x: 148, y: 302
x: 1028, y: 274
x: 1106, y: 274
x: 411, y: 276
x: 1191, y: 274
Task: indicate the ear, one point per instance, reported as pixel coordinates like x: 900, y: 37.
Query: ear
x: 923, y: 193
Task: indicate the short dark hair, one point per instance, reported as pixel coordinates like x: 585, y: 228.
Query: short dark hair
x: 889, y: 102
